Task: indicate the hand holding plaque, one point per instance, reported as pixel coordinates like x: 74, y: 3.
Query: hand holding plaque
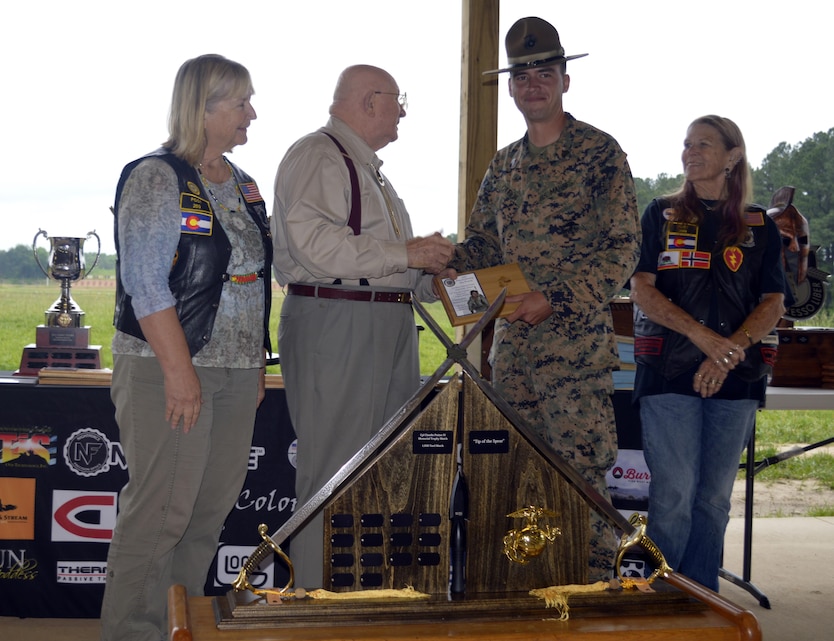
x: 466, y: 297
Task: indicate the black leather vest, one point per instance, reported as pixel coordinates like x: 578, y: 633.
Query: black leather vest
x: 199, y: 268
x: 695, y: 277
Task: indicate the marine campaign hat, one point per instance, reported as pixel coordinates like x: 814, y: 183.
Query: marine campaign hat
x: 533, y: 42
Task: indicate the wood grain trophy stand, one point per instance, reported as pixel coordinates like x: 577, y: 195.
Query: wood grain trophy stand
x: 436, y: 501
x: 64, y: 340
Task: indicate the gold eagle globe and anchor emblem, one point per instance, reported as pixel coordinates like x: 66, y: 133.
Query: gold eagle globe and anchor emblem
x: 529, y: 542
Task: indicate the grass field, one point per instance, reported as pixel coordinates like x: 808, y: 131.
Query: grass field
x: 22, y: 308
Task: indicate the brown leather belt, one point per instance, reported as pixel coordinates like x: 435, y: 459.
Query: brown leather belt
x: 322, y: 291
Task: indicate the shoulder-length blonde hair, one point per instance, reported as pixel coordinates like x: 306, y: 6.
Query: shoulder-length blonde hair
x: 200, y: 84
x: 738, y: 186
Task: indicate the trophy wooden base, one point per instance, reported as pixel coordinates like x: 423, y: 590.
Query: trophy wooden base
x: 195, y: 618
x: 65, y: 347
x: 35, y: 358
x: 237, y: 610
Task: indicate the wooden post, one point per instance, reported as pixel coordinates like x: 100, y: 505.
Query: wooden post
x: 478, y: 112
x: 479, y: 100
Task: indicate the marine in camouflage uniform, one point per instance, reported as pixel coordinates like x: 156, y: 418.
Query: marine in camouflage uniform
x: 567, y: 214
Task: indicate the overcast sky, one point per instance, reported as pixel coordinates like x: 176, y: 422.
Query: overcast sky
x: 88, y: 86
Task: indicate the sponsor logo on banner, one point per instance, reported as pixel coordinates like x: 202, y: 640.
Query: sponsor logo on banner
x: 32, y: 449
x: 292, y: 453
x: 269, y: 502
x: 230, y: 560
x: 17, y: 509
x: 16, y: 566
x: 87, y: 517
x: 81, y: 572
x: 87, y: 452
x: 634, y: 566
x: 255, y: 454
x: 628, y: 481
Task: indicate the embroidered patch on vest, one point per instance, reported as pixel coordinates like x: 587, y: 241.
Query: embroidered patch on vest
x: 733, y: 257
x: 683, y: 260
x: 669, y: 260
x: 681, y: 235
x: 196, y: 223
x: 193, y: 188
x: 250, y: 192
x: 754, y: 218
x: 698, y: 260
x: 196, y: 215
x: 768, y: 355
x: 648, y: 345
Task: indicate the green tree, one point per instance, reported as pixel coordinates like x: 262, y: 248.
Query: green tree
x: 648, y: 188
x: 18, y: 263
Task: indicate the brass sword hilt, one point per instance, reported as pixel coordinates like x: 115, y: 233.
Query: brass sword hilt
x: 638, y: 538
x: 242, y: 580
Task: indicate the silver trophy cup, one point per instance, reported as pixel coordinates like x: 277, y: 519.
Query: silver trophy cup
x: 66, y: 264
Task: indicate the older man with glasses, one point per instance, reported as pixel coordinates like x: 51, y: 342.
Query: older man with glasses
x: 345, y: 252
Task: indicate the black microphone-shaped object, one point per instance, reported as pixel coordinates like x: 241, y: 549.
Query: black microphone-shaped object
x: 458, y: 514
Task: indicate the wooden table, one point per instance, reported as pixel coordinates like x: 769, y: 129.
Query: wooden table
x: 193, y: 619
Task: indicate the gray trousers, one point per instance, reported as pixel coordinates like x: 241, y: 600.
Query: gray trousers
x: 348, y: 366
x: 180, y: 490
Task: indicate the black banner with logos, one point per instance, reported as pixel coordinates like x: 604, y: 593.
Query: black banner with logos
x: 61, y: 469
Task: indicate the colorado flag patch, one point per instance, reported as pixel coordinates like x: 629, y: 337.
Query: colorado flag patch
x: 196, y: 223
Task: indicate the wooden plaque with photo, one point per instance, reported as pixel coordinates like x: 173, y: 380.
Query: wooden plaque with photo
x: 466, y: 298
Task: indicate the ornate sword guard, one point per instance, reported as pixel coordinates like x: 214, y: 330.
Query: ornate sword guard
x: 638, y: 538
x: 529, y: 542
x: 242, y: 580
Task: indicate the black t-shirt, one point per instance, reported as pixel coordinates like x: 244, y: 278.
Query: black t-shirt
x: 647, y: 380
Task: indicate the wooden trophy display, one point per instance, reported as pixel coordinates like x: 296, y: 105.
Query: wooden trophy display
x: 458, y: 498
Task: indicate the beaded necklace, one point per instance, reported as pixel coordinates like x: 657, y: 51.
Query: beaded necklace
x: 211, y: 192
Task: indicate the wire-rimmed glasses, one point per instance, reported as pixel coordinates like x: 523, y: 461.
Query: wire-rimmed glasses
x: 402, y: 98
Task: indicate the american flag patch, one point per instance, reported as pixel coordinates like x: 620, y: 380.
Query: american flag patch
x: 196, y: 223
x: 250, y: 192
x: 754, y: 218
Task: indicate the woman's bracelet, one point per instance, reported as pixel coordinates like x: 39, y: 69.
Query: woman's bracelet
x: 747, y: 334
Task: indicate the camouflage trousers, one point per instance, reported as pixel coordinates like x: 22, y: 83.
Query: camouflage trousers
x: 577, y: 422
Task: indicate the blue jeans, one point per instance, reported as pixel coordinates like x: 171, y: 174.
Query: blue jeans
x: 692, y: 447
